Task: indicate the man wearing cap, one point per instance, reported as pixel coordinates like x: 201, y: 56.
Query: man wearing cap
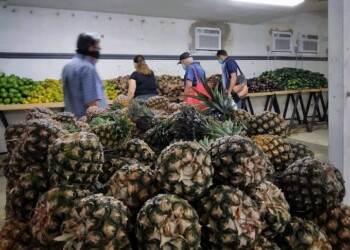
x: 194, y: 72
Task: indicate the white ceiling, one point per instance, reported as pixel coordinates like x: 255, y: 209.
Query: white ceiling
x: 212, y: 10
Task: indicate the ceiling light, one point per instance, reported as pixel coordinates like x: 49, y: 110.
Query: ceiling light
x: 289, y: 3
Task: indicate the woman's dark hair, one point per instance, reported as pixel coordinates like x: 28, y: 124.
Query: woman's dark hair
x: 141, y: 65
x: 86, y: 40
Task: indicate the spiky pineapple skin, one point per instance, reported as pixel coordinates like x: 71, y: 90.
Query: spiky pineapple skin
x: 336, y: 223
x: 139, y: 150
x: 266, y: 123
x: 230, y: 219
x: 240, y: 115
x: 265, y: 244
x: 300, y: 150
x: 276, y: 149
x: 15, y: 235
x: 52, y: 208
x: 304, y: 235
x: 273, y: 207
x: 184, y: 168
x: 96, y: 222
x: 167, y: 222
x: 27, y: 189
x: 238, y: 162
x: 64, y: 117
x: 13, y: 135
x: 112, y: 164
x: 158, y: 102
x: 75, y: 159
x: 312, y: 187
x: 133, y: 185
x: 38, y: 135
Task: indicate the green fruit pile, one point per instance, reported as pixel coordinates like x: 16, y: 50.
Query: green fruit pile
x: 294, y: 78
x: 14, y: 90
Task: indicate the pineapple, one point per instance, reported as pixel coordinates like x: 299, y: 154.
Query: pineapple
x: 120, y: 101
x: 273, y: 208
x: 184, y: 168
x: 83, y: 119
x: 83, y: 126
x: 267, y: 123
x: 173, y: 107
x: 39, y: 113
x: 112, y: 129
x: 167, y: 222
x: 336, y: 223
x: 96, y: 222
x: 140, y: 114
x: 238, y: 162
x: 133, y: 185
x: 158, y: 102
x: 13, y: 135
x: 312, y: 187
x: 26, y: 191
x: 276, y: 149
x: 303, y: 235
x: 186, y: 122
x: 300, y: 150
x: 139, y: 150
x: 75, y: 159
x: 36, y: 138
x: 240, y: 115
x: 112, y: 164
x: 230, y: 219
x: 160, y: 136
x: 15, y: 235
x: 93, y: 111
x: 264, y: 244
x: 52, y: 208
x: 64, y: 117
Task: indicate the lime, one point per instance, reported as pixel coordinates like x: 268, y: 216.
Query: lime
x: 7, y: 100
x: 15, y: 100
x: 18, y: 95
x: 1, y: 101
x: 4, y: 94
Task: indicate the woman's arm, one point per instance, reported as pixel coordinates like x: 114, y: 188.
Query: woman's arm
x: 131, y: 90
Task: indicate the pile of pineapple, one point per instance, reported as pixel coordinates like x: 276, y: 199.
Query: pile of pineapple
x: 159, y: 175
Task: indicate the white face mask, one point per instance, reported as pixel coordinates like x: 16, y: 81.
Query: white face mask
x: 184, y: 66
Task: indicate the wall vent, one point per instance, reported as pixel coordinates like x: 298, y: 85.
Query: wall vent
x: 207, y: 39
x: 281, y: 41
x: 308, y: 43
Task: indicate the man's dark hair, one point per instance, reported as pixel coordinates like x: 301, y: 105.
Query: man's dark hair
x: 221, y: 53
x: 86, y: 40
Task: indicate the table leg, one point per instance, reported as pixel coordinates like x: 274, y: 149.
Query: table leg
x: 286, y: 106
x: 250, y: 106
x: 3, y: 119
x: 310, y: 128
x: 295, y: 109
x: 267, y: 102
x: 297, y: 112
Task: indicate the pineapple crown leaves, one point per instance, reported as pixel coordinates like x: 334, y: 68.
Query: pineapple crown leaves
x: 216, y: 103
x: 216, y: 129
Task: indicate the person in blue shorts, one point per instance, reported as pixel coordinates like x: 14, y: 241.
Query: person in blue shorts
x: 82, y: 86
x: 229, y: 73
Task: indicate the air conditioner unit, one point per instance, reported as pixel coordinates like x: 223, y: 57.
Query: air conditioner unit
x: 207, y: 38
x: 281, y: 41
x: 308, y: 43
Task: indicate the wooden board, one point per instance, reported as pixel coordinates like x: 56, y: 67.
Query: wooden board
x: 10, y: 107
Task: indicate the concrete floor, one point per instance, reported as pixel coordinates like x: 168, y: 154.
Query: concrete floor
x: 317, y: 140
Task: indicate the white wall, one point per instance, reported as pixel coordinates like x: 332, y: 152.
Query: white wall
x: 42, y: 30
x: 39, y: 30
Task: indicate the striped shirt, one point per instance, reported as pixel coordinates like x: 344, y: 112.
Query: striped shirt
x: 81, y: 85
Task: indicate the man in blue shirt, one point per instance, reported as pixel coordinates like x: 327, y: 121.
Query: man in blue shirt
x: 194, y: 72
x: 229, y: 71
x: 82, y: 86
